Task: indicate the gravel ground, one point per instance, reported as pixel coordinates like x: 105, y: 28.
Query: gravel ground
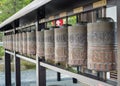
x: 28, y: 78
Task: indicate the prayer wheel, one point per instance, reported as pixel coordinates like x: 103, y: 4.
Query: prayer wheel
x: 14, y: 42
x: 10, y: 42
x: 61, y: 45
x: 31, y: 43
x: 40, y: 43
x: 17, y: 42
x: 77, y: 45
x: 49, y: 45
x: 20, y: 43
x: 24, y: 42
x: 4, y: 42
x: 101, y: 45
x: 7, y: 42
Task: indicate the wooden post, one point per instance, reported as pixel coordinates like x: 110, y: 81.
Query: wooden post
x: 7, y: 70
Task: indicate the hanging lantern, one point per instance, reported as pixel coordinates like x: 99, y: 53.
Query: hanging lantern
x: 77, y: 38
x: 61, y: 45
x: 49, y: 45
x: 101, y: 45
x: 24, y: 42
x: 40, y: 43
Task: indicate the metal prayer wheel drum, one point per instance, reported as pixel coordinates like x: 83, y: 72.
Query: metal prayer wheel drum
x: 24, y: 36
x: 61, y: 45
x: 77, y: 42
x: 4, y: 42
x: 49, y: 44
x: 40, y: 43
x: 101, y: 45
x: 20, y: 43
x: 31, y: 43
x: 17, y: 42
x: 14, y: 42
x: 10, y: 42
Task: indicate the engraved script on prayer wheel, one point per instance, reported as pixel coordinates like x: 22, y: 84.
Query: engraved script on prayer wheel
x: 31, y: 43
x: 77, y: 42
x: 49, y: 44
x: 20, y: 43
x: 40, y: 43
x: 24, y: 36
x: 101, y: 45
x: 61, y: 45
x: 14, y: 42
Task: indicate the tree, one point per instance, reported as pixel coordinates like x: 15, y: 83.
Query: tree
x: 9, y: 7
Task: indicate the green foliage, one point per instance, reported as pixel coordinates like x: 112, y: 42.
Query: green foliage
x: 1, y: 36
x: 9, y: 7
x: 1, y: 51
x: 72, y: 20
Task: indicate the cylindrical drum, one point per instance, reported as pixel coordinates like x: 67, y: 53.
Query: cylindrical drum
x: 20, y: 43
x: 31, y: 43
x: 101, y: 45
x: 4, y: 41
x: 77, y: 42
x: 24, y: 42
x: 40, y: 43
x: 7, y: 42
x: 49, y: 45
x: 17, y: 42
x: 61, y: 45
x: 10, y: 42
x: 14, y: 42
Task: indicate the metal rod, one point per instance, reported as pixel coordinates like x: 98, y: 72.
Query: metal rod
x: 17, y: 70
x: 26, y: 58
x: 9, y: 52
x: 7, y: 70
x: 84, y: 79
x: 58, y: 74
x: 40, y: 73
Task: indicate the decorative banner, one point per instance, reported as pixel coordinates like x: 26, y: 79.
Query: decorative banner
x: 40, y: 43
x: 102, y: 49
x: 78, y: 10
x: 31, y: 43
x: 24, y: 36
x: 100, y: 3
x: 49, y: 45
x: 61, y: 45
x: 77, y: 45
